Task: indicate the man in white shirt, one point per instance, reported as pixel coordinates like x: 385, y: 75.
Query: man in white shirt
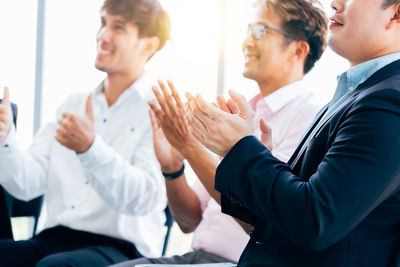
x: 284, y: 41
x: 103, y: 191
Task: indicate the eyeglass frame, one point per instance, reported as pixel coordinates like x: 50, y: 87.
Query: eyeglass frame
x: 267, y: 27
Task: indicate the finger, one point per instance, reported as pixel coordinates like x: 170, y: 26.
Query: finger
x: 63, y: 126
x: 161, y: 101
x: 6, y: 96
x: 159, y: 114
x: 167, y: 98
x: 195, y: 121
x: 265, y: 134
x: 204, y: 110
x: 222, y: 104
x: 175, y: 94
x: 62, y: 139
x: 233, y: 107
x: 89, y: 107
x: 61, y: 132
x: 195, y: 133
x: 153, y: 119
x: 192, y: 130
x: 264, y: 127
x: 241, y: 103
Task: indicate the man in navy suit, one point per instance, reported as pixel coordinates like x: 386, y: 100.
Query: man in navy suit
x: 337, y: 201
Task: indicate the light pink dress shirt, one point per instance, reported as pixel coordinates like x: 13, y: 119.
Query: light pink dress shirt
x: 288, y: 111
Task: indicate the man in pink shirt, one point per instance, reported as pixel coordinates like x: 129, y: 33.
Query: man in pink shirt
x: 285, y: 40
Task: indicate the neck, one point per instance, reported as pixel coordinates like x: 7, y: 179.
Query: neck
x: 377, y: 54
x: 269, y: 86
x: 117, y: 83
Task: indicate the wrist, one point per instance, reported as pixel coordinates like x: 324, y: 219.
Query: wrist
x: 174, y: 175
x: 190, y: 150
x: 170, y: 168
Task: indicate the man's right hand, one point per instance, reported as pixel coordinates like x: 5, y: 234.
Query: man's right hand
x: 170, y: 113
x: 170, y: 159
x: 6, y: 117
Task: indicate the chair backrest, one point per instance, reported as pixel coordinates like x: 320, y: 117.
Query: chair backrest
x: 19, y: 208
x: 12, y: 207
x: 5, y: 224
x: 168, y: 223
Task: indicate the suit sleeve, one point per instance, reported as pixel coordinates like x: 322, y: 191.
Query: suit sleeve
x: 359, y: 171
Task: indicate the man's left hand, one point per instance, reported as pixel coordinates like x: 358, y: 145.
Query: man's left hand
x: 77, y: 132
x: 216, y: 129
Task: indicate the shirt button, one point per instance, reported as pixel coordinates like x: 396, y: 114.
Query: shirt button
x: 104, y: 120
x: 87, y: 182
x: 6, y: 145
x: 72, y: 207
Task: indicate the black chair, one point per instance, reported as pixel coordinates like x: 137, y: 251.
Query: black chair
x: 168, y: 223
x: 5, y: 224
x: 19, y: 208
x: 12, y: 207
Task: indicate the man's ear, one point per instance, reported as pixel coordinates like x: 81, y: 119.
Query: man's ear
x: 152, y: 45
x: 395, y: 20
x: 302, y: 49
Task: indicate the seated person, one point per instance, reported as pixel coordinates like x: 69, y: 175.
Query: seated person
x: 5, y: 224
x: 104, y: 195
x: 277, y: 61
x: 336, y: 202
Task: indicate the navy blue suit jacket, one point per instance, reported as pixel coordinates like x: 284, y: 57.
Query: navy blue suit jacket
x: 337, y: 201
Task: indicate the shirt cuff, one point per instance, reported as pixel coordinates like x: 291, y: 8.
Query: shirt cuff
x: 95, y: 155
x: 9, y: 142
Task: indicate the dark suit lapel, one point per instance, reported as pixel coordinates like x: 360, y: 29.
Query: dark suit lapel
x: 380, y: 75
x: 315, y: 129
x: 307, y: 133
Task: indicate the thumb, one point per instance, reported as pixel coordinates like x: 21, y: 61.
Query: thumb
x: 241, y: 102
x: 6, y: 96
x: 153, y: 119
x: 266, y: 134
x: 89, y: 107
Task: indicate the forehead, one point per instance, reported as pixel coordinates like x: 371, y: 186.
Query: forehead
x: 112, y: 18
x: 263, y: 15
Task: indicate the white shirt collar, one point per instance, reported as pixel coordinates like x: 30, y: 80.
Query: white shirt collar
x: 140, y: 86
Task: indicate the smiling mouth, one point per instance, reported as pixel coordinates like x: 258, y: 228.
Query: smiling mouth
x: 104, y: 50
x: 250, y: 57
x: 334, y: 22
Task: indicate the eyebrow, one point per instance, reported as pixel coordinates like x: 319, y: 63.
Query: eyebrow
x: 120, y: 22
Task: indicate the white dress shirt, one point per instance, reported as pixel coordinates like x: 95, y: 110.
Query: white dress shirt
x: 115, y: 188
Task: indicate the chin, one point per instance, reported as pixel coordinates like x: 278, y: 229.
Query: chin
x: 248, y: 74
x: 337, y: 47
x: 100, y: 67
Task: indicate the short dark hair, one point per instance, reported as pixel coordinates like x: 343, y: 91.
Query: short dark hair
x: 147, y: 15
x: 388, y: 3
x: 304, y: 19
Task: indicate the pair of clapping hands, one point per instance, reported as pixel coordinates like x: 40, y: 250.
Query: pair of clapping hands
x: 217, y: 127
x: 75, y: 132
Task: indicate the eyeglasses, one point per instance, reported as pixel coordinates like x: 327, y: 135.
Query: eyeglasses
x: 259, y: 30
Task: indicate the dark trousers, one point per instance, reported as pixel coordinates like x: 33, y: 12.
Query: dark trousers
x: 61, y: 246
